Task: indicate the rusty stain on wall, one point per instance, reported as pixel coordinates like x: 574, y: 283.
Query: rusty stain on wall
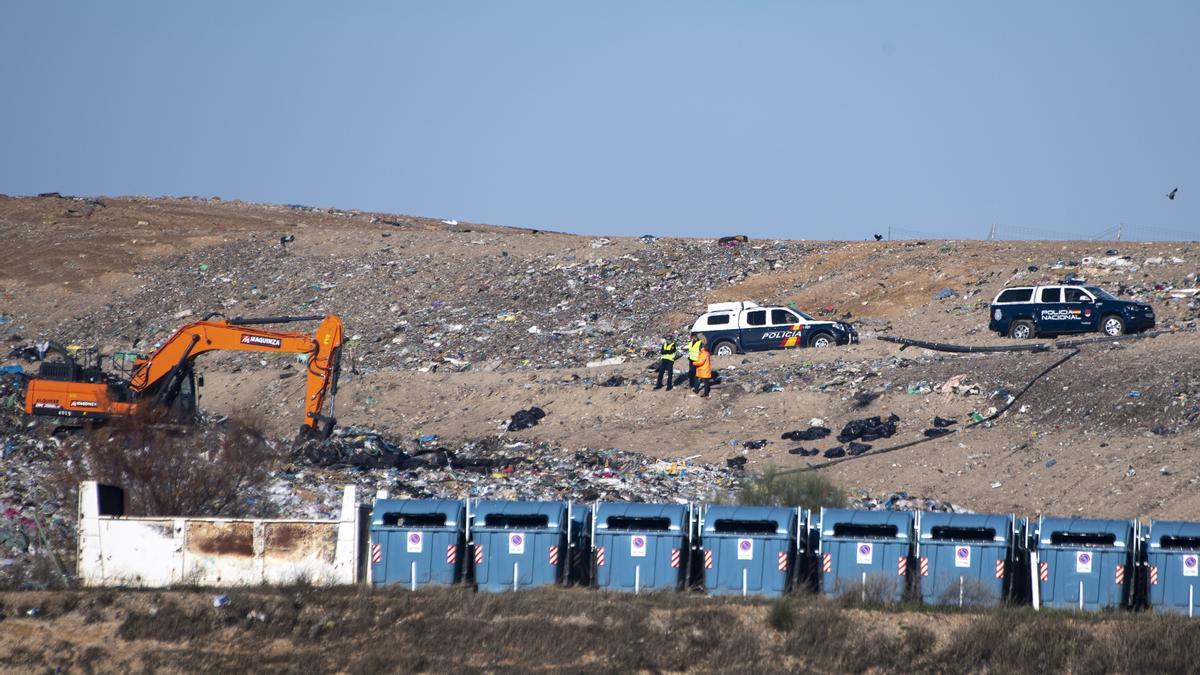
x: 300, y: 541
x: 221, y: 539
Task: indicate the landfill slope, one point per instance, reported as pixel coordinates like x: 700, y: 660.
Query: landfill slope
x: 453, y: 327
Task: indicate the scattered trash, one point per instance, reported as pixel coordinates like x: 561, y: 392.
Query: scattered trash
x: 945, y: 294
x: 921, y: 387
x: 220, y: 601
x: 1051, y: 462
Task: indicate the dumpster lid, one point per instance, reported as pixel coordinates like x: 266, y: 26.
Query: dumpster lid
x: 720, y: 518
x: 1084, y: 532
x: 855, y: 524
x: 640, y: 517
x: 936, y: 525
x: 417, y: 513
x: 1174, y: 534
x: 496, y: 514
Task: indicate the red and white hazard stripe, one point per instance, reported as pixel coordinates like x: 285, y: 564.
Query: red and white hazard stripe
x: 553, y: 555
x: 599, y: 556
x: 376, y: 553
x: 451, y: 554
x: 827, y: 562
x: 1154, y: 575
x: 924, y: 566
x: 1119, y: 575
x: 708, y: 558
x: 478, y: 554
x: 783, y: 560
x: 676, y: 556
x: 999, y: 569
x: 902, y: 565
x: 1044, y: 571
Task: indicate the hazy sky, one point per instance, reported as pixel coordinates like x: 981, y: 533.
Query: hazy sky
x: 773, y: 119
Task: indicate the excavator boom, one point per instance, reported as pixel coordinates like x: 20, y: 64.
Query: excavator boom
x: 165, y: 377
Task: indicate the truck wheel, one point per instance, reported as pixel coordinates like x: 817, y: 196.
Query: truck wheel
x: 821, y: 341
x: 1022, y: 330
x: 724, y: 348
x: 1113, y: 325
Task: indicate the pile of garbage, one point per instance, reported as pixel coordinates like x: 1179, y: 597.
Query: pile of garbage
x: 590, y: 303
x: 36, y: 528
x: 902, y: 501
x: 495, y: 468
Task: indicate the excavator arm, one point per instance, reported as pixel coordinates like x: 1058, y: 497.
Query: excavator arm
x: 161, y: 373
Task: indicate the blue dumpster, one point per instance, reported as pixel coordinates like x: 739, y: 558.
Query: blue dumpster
x: 748, y: 549
x: 1083, y: 563
x: 964, y: 558
x: 865, y: 552
x: 518, y: 544
x: 417, y: 542
x: 640, y: 546
x: 1173, y: 559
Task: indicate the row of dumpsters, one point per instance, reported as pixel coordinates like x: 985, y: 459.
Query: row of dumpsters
x: 878, y: 556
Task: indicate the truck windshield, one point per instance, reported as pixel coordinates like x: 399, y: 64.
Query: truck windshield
x: 805, y: 316
x: 1100, y: 293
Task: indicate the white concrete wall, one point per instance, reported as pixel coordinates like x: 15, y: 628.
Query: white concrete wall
x: 163, y: 551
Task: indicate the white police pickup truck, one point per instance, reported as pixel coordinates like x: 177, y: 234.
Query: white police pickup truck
x: 733, y: 327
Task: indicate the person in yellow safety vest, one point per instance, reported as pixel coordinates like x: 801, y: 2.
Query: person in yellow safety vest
x: 704, y: 370
x: 666, y: 362
x: 693, y: 354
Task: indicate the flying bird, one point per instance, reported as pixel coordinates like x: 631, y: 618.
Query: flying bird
x: 879, y: 237
x: 1171, y: 194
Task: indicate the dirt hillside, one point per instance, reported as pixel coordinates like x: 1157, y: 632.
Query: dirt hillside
x: 455, y: 326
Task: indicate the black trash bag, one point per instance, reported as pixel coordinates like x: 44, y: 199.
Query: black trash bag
x: 755, y: 445
x: 934, y: 433
x: 809, y: 434
x: 868, y: 429
x: 798, y: 451
x: 834, y: 453
x: 942, y: 423
x: 524, y: 419
x: 736, y: 463
x: 855, y: 448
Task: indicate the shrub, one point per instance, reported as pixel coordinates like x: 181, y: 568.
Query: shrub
x: 806, y: 489
x: 781, y: 616
x: 169, y: 469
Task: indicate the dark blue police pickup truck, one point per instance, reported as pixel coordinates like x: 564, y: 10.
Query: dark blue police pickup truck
x: 732, y: 327
x: 1026, y: 312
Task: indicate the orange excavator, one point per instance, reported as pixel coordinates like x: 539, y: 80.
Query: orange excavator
x: 165, y: 380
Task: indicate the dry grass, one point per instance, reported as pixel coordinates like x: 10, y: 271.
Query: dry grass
x: 361, y: 630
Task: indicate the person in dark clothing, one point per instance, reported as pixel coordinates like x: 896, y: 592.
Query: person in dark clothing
x: 666, y: 362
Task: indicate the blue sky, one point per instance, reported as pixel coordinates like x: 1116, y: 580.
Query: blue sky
x: 774, y: 119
